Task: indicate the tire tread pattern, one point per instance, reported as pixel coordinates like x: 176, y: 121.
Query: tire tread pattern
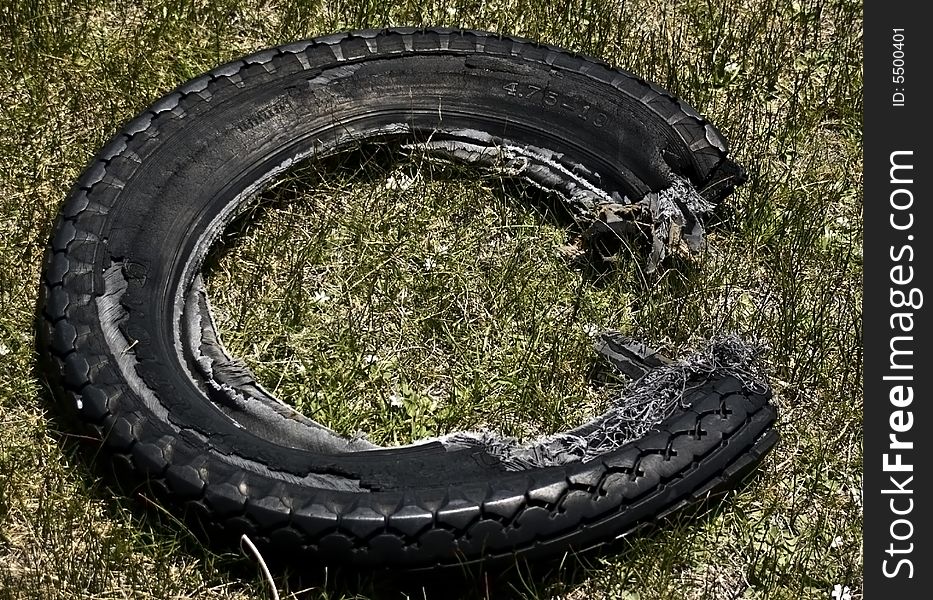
x: 702, y: 451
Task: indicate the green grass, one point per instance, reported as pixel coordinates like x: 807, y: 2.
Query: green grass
x: 412, y: 300
x: 470, y: 317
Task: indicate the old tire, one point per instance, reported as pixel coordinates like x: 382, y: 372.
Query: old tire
x: 126, y: 343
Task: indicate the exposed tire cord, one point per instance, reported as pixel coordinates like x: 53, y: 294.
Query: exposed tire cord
x: 129, y: 346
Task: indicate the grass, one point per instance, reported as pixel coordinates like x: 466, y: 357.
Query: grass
x: 434, y: 341
x: 412, y: 300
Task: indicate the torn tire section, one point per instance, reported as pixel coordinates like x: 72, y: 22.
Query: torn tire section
x: 671, y: 219
x: 662, y: 388
x: 129, y: 346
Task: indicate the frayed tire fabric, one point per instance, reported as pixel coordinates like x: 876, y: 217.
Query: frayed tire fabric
x: 127, y: 341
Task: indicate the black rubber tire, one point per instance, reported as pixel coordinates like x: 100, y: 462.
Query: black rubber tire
x: 131, y: 237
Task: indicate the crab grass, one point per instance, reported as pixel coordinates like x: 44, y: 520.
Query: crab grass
x: 410, y: 299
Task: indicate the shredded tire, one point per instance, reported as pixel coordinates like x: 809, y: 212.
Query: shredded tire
x: 127, y: 340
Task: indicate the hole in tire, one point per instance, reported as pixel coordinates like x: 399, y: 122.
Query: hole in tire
x: 399, y: 298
